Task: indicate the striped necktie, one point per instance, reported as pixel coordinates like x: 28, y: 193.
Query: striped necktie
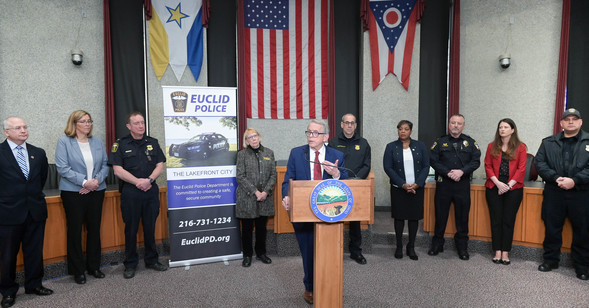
x: 22, y: 163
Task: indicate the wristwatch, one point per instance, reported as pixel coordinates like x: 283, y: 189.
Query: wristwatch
x: 151, y: 180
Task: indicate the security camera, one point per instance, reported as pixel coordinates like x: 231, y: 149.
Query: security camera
x: 77, y: 56
x: 505, y: 61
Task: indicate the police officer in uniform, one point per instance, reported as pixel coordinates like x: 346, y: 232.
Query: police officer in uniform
x: 357, y: 155
x: 563, y: 163
x: 454, y: 157
x: 138, y: 160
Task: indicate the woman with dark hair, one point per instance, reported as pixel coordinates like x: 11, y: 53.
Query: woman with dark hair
x: 256, y: 176
x: 406, y: 162
x: 81, y: 162
x: 505, y: 165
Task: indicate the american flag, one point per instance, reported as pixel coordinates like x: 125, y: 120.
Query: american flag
x: 286, y: 58
x: 392, y: 32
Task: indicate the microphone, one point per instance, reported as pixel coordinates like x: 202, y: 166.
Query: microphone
x: 340, y: 168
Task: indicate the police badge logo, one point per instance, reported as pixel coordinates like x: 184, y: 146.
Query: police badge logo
x: 149, y: 147
x: 179, y: 101
x: 331, y: 200
x: 357, y: 147
x: 465, y: 142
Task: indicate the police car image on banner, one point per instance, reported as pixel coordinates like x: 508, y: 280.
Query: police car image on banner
x: 200, y: 146
x: 331, y: 200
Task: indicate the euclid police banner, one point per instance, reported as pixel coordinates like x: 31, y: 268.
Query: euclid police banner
x: 201, y: 149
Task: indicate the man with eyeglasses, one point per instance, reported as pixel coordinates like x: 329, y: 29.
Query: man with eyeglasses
x: 357, y: 155
x: 563, y: 163
x: 313, y: 161
x: 137, y: 160
x: 23, y: 210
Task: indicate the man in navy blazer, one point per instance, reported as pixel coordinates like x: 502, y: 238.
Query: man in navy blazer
x: 303, y: 162
x: 23, y: 210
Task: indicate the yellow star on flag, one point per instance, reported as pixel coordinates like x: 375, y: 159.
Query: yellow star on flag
x: 176, y: 14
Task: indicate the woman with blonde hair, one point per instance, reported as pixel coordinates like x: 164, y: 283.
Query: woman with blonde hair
x: 81, y: 161
x: 256, y: 176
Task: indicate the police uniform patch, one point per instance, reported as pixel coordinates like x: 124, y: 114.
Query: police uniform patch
x: 149, y: 147
x: 357, y: 147
x: 477, y: 145
x: 465, y: 142
x: 115, y: 147
x: 433, y: 146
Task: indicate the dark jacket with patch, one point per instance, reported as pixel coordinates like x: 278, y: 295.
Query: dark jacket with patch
x: 356, y: 153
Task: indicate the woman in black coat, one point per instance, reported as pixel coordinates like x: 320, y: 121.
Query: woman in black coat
x: 406, y: 162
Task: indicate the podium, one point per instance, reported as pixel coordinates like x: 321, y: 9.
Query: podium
x: 329, y: 246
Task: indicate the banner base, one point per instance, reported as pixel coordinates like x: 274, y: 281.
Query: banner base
x: 206, y: 260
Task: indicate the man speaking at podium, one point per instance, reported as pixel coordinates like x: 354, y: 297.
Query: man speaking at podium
x: 313, y: 161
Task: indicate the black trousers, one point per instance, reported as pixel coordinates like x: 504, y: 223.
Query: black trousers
x: 447, y: 192
x: 355, y: 238
x: 145, y: 206
x: 31, y: 234
x: 502, y: 211
x: 557, y: 205
x: 79, y: 209
x: 247, y: 227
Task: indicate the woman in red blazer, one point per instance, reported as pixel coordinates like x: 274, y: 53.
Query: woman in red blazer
x: 505, y: 165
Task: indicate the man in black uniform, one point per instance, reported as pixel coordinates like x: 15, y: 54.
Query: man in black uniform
x: 138, y: 160
x: 563, y: 163
x: 357, y: 156
x: 454, y: 157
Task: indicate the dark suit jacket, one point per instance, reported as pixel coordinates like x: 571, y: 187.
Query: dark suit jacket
x: 395, y: 167
x: 298, y: 165
x: 19, y: 196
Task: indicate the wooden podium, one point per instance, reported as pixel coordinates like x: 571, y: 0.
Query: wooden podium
x: 329, y: 246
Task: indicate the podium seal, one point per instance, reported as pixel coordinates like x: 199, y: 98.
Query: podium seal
x: 331, y: 200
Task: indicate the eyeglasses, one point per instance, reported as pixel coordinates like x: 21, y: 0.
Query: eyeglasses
x: 349, y: 123
x: 19, y: 128
x: 313, y: 134
x: 86, y: 122
x: 252, y: 137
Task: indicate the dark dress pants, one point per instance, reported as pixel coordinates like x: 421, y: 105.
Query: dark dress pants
x: 355, y: 238
x: 305, y: 233
x: 79, y: 208
x: 247, y: 226
x: 447, y: 192
x: 557, y: 205
x: 502, y: 212
x: 31, y: 234
x: 145, y: 206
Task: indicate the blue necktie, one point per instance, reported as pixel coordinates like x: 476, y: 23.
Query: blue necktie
x: 22, y: 163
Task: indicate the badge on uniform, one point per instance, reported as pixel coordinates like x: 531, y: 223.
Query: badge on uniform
x: 476, y: 145
x: 266, y: 158
x: 444, y: 145
x: 149, y: 147
x: 465, y: 142
x: 115, y: 147
x: 357, y: 147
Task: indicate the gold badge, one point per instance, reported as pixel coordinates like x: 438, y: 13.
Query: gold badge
x: 115, y: 147
x: 465, y: 143
x: 433, y: 146
x: 444, y: 145
x: 149, y: 147
x: 357, y: 147
x: 266, y: 158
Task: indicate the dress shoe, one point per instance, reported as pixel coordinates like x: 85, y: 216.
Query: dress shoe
x: 80, y: 279
x: 97, y: 273
x: 434, y: 250
x: 411, y: 253
x: 41, y: 291
x: 583, y: 275
x: 157, y: 267
x: 308, y: 297
x: 129, y: 273
x: 505, y: 262
x: 8, y: 300
x: 399, y: 252
x: 247, y: 261
x: 463, y: 255
x: 359, y: 258
x: 264, y: 259
x: 497, y: 261
x: 547, y: 267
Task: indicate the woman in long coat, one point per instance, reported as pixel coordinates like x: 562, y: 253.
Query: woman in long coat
x: 256, y: 176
